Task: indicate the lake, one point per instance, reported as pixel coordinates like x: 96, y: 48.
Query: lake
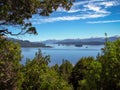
x: 60, y: 52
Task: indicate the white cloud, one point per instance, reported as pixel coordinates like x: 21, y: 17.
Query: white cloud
x: 109, y: 3
x: 70, y: 11
x: 95, y: 8
x: 95, y: 15
x: 80, y: 3
x: 92, y: 7
x: 65, y: 18
x: 107, y: 21
x: 74, y: 10
x: 80, y: 10
x: 54, y: 19
x: 77, y: 10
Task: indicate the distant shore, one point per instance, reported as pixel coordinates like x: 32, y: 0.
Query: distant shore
x: 36, y: 46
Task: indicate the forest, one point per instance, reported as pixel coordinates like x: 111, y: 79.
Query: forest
x: 88, y: 73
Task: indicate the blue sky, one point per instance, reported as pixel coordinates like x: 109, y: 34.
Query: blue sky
x: 85, y: 19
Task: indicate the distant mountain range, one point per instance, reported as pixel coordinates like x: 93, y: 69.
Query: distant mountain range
x: 76, y: 42
x: 51, y: 41
x: 88, y: 41
x: 26, y: 43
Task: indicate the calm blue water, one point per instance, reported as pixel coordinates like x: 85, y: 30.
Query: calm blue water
x: 58, y: 53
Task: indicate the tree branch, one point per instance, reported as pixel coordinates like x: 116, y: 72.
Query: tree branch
x: 3, y: 32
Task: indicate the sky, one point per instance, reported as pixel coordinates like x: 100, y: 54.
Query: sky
x: 85, y: 19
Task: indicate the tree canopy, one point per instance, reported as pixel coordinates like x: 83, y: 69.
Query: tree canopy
x: 10, y: 56
x: 100, y: 74
x: 18, y: 12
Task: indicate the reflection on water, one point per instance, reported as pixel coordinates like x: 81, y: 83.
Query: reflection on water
x: 57, y: 53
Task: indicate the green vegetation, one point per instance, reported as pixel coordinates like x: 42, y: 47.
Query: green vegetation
x: 102, y: 73
x: 10, y: 56
x: 86, y: 74
x: 38, y: 76
x: 110, y: 60
x: 26, y: 43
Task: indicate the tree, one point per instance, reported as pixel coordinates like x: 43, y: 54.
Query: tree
x: 18, y: 12
x: 65, y: 69
x: 55, y: 67
x: 38, y: 76
x: 110, y: 60
x: 86, y: 74
x: 10, y: 56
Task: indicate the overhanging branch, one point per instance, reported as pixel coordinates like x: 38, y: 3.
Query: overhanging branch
x: 4, y: 32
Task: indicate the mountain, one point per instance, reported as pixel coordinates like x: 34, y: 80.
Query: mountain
x: 76, y: 42
x: 51, y: 41
x: 87, y: 41
x: 26, y: 43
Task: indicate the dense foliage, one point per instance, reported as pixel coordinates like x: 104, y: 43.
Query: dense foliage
x: 102, y: 73
x: 10, y: 56
x: 86, y: 74
x: 110, y: 60
x: 38, y: 76
x: 18, y: 12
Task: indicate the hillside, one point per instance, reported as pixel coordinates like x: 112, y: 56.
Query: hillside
x: 87, y: 41
x: 26, y: 43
